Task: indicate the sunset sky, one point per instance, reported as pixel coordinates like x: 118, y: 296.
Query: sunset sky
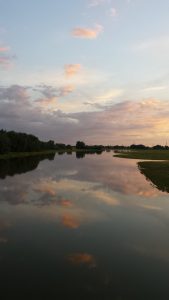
x: 94, y: 70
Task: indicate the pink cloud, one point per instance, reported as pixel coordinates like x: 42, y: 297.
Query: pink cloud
x: 4, y: 48
x: 6, y: 60
x: 70, y: 221
x: 87, y: 33
x: 68, y: 89
x: 72, y: 69
x: 50, y: 101
x: 47, y: 103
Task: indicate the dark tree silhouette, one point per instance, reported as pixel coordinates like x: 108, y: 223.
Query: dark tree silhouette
x: 80, y: 145
x: 11, y: 141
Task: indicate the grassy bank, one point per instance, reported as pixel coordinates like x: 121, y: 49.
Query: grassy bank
x: 144, y: 154
x: 24, y: 154
x: 28, y: 154
x: 156, y: 172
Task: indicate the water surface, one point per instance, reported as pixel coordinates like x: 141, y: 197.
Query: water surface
x: 82, y: 228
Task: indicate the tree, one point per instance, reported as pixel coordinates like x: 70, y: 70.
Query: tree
x: 4, y: 142
x: 80, y: 145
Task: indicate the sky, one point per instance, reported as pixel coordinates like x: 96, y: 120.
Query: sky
x: 91, y: 70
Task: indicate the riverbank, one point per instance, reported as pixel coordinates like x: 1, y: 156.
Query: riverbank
x: 25, y: 154
x: 11, y: 155
x: 144, y: 154
x: 157, y: 172
x: 154, y: 170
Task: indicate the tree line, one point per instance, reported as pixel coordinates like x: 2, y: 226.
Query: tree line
x: 11, y: 141
x: 81, y: 145
x: 140, y: 147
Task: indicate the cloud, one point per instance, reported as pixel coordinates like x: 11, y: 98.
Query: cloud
x: 70, y: 221
x: 66, y: 203
x: 109, y: 95
x: 156, y: 46
x: 4, y: 48
x: 46, y: 187
x: 143, y: 119
x: 155, y: 88
x: 94, y: 3
x: 150, y: 207
x: 114, y: 12
x: 72, y: 69
x: 105, y: 197
x: 105, y: 121
x: 49, y: 91
x: 6, y: 60
x: 19, y: 108
x: 66, y: 90
x: 82, y: 259
x: 87, y: 33
x: 14, y: 93
x: 48, y: 104
x: 51, y: 96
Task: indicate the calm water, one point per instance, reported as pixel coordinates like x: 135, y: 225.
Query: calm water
x: 90, y: 228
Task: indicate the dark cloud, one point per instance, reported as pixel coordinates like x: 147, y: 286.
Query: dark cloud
x: 48, y: 91
x: 14, y: 93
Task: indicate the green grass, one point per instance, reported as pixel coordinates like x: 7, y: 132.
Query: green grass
x: 24, y: 154
x: 144, y: 154
x: 156, y: 172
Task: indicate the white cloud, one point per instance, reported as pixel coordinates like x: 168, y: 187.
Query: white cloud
x: 109, y: 95
x: 155, y: 88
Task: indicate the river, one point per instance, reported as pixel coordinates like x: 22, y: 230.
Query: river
x: 85, y: 227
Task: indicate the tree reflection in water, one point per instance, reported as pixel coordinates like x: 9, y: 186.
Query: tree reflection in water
x: 10, y: 167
